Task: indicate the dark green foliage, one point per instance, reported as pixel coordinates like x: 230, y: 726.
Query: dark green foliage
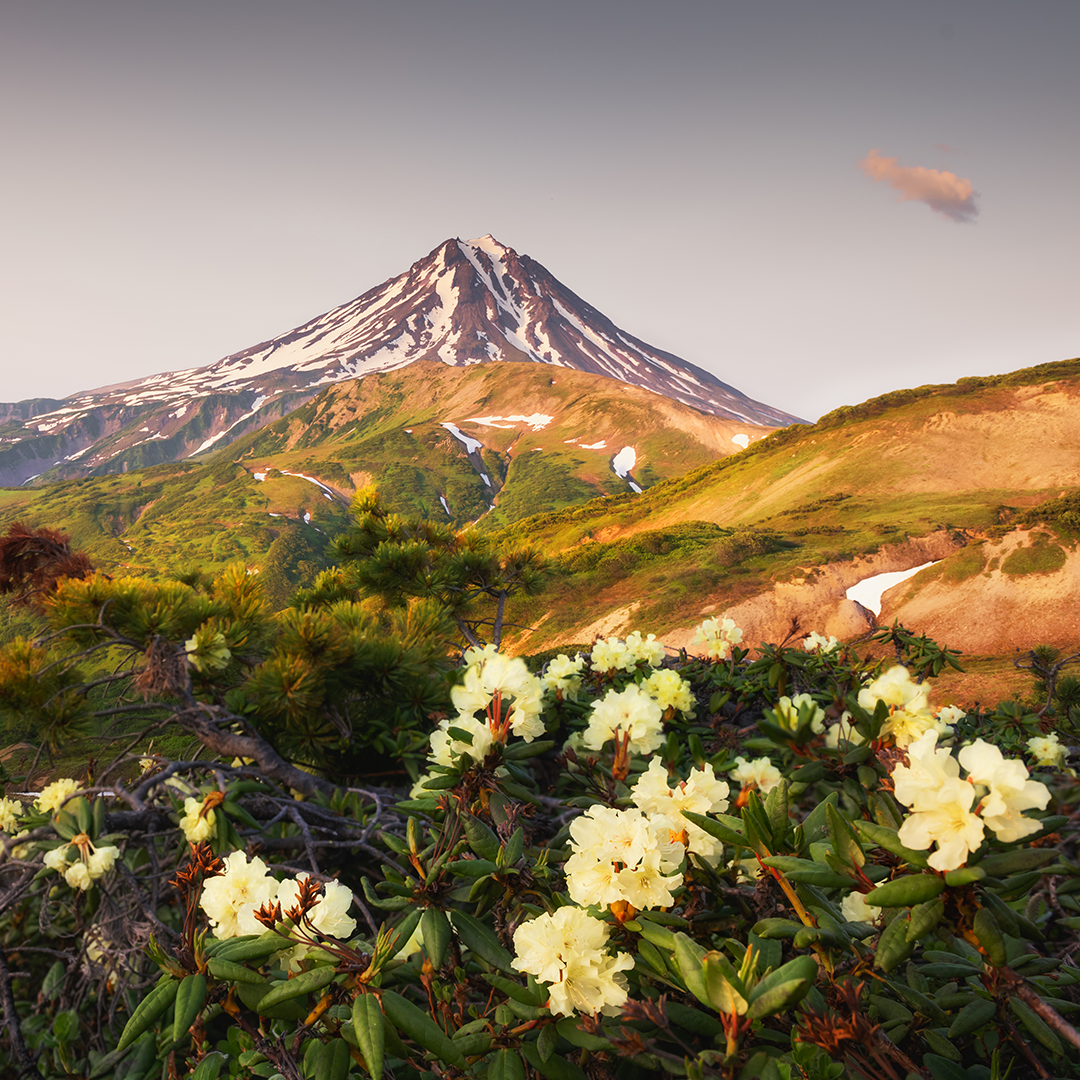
x: 399, y: 560
x: 295, y: 558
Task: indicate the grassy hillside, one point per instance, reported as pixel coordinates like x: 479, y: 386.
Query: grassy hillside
x: 967, y: 459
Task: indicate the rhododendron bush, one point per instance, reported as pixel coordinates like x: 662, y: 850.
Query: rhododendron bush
x: 630, y: 862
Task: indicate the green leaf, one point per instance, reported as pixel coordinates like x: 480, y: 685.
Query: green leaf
x: 893, y: 946
x: 505, y: 1065
x: 990, y: 937
x: 689, y: 959
x: 148, y: 1010
x: 845, y: 843
x: 53, y: 981
x: 209, y: 1067
x: 884, y: 837
x: 972, y: 1017
x: 723, y: 986
x: 1036, y: 1025
x: 436, y: 930
x: 964, y: 875
x: 717, y: 830
x: 778, y: 998
x: 547, y: 1041
x: 816, y: 827
x: 307, y: 982
x: 906, y: 891
x: 232, y: 972
x: 418, y: 1025
x: 777, y: 810
x: 1016, y: 862
x: 481, y: 941
x: 554, y: 1067
x: 367, y: 1020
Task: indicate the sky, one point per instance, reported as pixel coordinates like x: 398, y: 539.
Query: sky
x: 818, y: 202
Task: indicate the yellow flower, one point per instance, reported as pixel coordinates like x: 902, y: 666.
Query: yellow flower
x: 54, y: 795
x: 10, y: 810
x: 198, y: 826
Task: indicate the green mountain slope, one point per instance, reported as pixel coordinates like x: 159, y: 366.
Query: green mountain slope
x: 543, y: 439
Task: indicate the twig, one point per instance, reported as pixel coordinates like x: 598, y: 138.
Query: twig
x: 27, y: 1067
x: 1051, y: 1016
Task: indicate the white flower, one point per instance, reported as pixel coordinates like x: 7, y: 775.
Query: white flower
x: 100, y: 861
x: 949, y: 823
x: 854, y: 908
x: 630, y: 711
x: 618, y: 855
x: 1048, y: 751
x: 718, y: 636
x: 819, y: 643
x: 612, y: 655
x: 196, y: 825
x: 918, y: 783
x: 1010, y: 794
x: 700, y: 793
x: 243, y: 885
x: 842, y: 731
x: 77, y: 875
x: 490, y: 677
x: 909, y: 707
x: 760, y: 773
x: 54, y: 795
x: 55, y: 860
x: 645, y: 650
x: 207, y: 650
x: 948, y: 715
x: 566, y: 950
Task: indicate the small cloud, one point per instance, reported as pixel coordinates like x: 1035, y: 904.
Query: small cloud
x: 944, y: 147
x: 945, y: 192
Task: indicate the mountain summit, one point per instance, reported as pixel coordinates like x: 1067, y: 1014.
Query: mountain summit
x: 466, y: 302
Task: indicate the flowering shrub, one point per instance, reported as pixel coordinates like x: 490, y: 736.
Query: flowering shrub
x: 628, y: 864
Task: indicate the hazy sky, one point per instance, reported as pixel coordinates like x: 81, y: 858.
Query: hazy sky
x: 819, y: 202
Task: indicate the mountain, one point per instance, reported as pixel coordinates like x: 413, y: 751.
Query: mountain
x: 465, y: 303
x: 979, y: 478
x: 490, y: 443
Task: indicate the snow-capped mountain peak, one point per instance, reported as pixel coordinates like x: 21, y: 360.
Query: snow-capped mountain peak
x: 466, y: 302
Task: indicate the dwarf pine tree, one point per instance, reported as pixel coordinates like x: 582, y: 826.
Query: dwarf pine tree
x: 340, y: 688
x: 400, y: 560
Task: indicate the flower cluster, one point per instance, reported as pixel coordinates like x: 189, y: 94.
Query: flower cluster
x: 910, y: 716
x: 953, y: 812
x: 718, y: 636
x: 614, y: 654
x: 630, y: 715
x: 86, y: 866
x: 562, y: 676
x: 232, y: 899
x: 700, y: 793
x: 760, y: 773
x: 821, y: 644
x: 566, y: 950
x: 620, y: 855
x: 670, y: 691
x: 1048, y: 751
